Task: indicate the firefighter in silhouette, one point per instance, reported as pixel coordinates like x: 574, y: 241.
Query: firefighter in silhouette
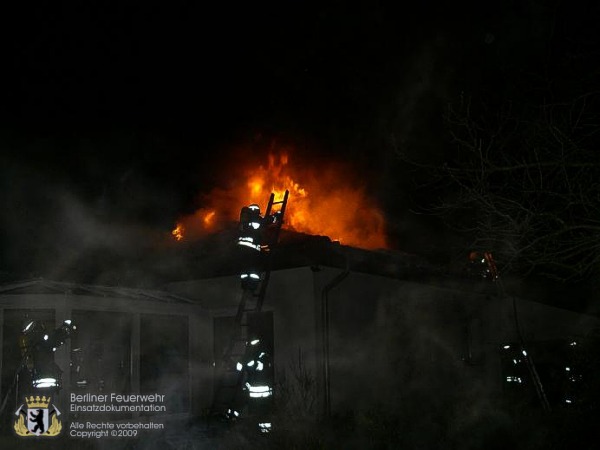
x: 482, y: 265
x: 31, y: 335
x: 38, y: 420
x: 37, y: 347
x: 251, y: 227
x: 259, y: 382
x: 250, y: 244
x: 30, y: 339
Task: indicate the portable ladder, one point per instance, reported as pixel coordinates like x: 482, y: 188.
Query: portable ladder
x: 229, y: 398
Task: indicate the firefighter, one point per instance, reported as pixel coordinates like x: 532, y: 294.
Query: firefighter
x: 250, y: 242
x: 259, y: 382
x: 482, y: 265
x: 37, y: 350
x: 251, y: 227
x: 31, y: 335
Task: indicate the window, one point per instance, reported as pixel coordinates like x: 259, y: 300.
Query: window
x: 164, y: 359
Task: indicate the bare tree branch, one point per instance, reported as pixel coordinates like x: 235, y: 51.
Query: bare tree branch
x: 526, y: 189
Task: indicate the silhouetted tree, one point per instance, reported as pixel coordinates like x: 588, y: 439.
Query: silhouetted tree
x: 524, y: 183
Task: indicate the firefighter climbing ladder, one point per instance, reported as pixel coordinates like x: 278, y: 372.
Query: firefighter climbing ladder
x: 228, y: 395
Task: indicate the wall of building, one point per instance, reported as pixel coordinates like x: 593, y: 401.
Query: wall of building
x: 392, y: 343
x: 435, y: 348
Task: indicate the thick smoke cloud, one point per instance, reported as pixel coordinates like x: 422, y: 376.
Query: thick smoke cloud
x: 70, y: 221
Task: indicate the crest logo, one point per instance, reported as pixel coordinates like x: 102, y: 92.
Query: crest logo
x: 38, y: 419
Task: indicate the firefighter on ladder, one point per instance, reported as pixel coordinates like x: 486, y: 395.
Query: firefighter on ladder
x: 257, y: 364
x: 250, y: 243
x: 253, y: 242
x: 258, y: 367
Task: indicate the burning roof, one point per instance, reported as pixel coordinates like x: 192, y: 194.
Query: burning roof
x: 329, y: 200
x: 215, y: 255
x: 330, y: 216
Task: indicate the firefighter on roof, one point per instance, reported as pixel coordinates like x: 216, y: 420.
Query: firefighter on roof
x: 482, y: 265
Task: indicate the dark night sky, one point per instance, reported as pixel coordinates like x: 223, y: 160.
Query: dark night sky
x: 126, y: 108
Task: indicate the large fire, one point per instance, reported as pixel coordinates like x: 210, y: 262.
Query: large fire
x: 322, y: 201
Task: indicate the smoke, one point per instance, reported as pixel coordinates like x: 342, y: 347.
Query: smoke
x: 404, y: 374
x: 57, y: 226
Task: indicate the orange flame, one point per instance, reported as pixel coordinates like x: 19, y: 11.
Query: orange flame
x: 208, y: 218
x: 178, y: 232
x: 322, y: 201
